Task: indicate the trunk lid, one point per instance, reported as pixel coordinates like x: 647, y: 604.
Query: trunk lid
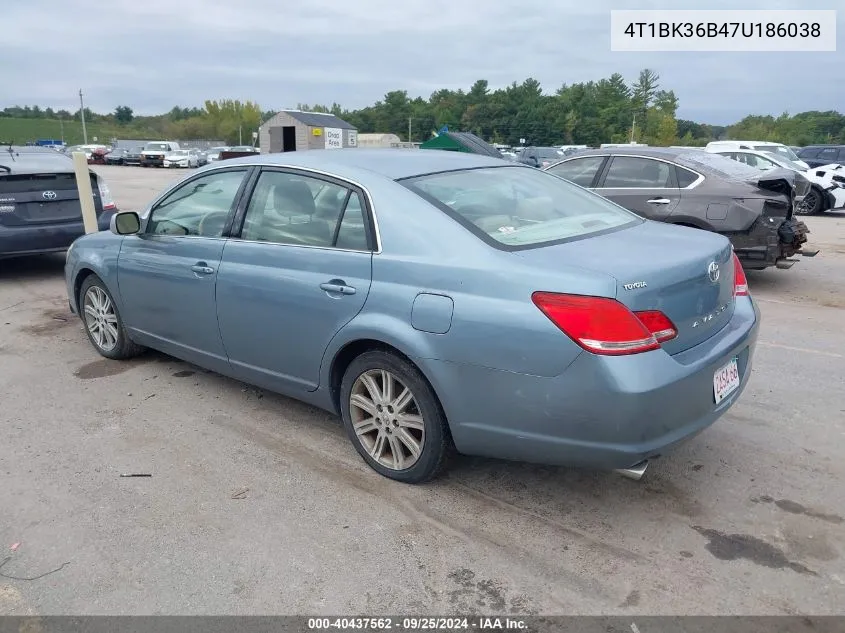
x: 658, y: 267
x: 41, y: 199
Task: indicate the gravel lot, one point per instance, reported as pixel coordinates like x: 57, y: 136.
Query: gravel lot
x: 745, y: 519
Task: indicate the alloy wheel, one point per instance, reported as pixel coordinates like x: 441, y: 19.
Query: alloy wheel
x: 386, y: 419
x: 100, y: 318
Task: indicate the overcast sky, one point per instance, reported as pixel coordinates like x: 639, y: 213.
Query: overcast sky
x: 154, y: 54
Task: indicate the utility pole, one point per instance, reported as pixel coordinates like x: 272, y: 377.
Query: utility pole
x: 62, y: 124
x: 82, y: 116
x: 633, y: 125
x: 240, y: 135
x: 410, y: 144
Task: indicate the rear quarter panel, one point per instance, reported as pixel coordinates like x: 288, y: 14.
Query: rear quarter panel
x: 493, y: 323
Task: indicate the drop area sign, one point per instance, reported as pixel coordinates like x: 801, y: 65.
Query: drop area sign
x: 334, y: 138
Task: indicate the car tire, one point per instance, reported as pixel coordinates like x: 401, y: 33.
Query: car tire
x: 375, y: 426
x: 811, y: 204
x: 103, y: 323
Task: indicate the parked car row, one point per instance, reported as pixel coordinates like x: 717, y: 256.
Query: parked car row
x: 158, y: 154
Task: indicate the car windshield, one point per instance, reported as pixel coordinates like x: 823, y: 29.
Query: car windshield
x: 157, y: 146
x: 520, y: 207
x: 179, y: 152
x: 781, y: 150
x: 782, y: 161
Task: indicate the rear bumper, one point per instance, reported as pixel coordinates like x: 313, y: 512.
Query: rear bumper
x: 35, y: 240
x: 602, y: 412
x: 769, y: 242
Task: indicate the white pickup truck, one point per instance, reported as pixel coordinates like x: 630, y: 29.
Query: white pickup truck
x: 154, y: 152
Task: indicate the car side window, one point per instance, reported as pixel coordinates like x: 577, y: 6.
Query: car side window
x: 199, y: 207
x: 685, y: 177
x: 289, y: 208
x: 632, y: 172
x: 829, y: 153
x: 809, y: 152
x: 581, y: 171
x: 352, y: 231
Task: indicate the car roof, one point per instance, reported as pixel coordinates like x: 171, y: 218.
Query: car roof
x: 394, y: 164
x: 34, y: 160
x: 667, y: 153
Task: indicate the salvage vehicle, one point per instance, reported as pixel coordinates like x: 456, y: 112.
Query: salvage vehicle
x: 436, y: 301
x: 819, y: 155
x: 133, y: 156
x: 117, y: 156
x: 39, y: 201
x: 760, y: 146
x: 154, y: 153
x: 699, y: 189
x: 213, y: 154
x: 539, y: 156
x: 181, y: 158
x: 826, y: 192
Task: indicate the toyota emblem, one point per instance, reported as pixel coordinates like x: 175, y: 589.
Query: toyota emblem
x: 713, y: 272
x: 49, y: 195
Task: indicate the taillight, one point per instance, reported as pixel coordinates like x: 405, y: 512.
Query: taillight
x: 605, y: 326
x: 658, y: 324
x: 105, y: 195
x: 740, y: 281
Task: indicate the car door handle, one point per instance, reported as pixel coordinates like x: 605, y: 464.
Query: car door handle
x: 338, y: 286
x: 659, y: 201
x: 201, y: 268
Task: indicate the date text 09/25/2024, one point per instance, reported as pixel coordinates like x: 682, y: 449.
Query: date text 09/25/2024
x: 459, y: 623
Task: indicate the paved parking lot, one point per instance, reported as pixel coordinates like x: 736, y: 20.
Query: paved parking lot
x: 746, y: 519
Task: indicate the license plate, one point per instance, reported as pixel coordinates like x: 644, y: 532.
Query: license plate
x: 725, y: 380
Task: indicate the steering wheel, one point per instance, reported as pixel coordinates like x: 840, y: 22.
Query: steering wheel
x: 214, y: 216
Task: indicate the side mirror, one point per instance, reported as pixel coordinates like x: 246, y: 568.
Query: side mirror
x: 125, y: 223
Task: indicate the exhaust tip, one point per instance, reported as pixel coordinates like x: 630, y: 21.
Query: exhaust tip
x: 634, y: 472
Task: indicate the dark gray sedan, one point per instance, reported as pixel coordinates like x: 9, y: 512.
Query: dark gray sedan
x: 694, y: 188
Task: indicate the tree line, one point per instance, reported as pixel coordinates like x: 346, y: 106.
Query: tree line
x: 588, y: 113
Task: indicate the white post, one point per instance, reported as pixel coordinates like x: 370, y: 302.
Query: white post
x: 86, y: 193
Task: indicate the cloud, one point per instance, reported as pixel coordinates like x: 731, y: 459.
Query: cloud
x: 155, y: 54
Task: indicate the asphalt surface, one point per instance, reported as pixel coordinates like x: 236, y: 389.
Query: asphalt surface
x: 259, y: 505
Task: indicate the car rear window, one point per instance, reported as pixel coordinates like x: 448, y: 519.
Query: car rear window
x: 722, y: 165
x: 23, y: 183
x: 517, y: 207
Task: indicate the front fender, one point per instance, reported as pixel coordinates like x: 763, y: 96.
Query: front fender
x: 95, y: 253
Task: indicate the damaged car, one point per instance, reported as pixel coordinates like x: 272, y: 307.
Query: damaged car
x: 754, y: 209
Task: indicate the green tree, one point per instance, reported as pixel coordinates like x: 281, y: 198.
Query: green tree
x: 123, y: 114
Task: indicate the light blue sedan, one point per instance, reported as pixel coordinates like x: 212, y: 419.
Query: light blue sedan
x: 436, y: 301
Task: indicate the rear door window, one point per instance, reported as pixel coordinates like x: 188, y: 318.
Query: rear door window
x: 581, y: 171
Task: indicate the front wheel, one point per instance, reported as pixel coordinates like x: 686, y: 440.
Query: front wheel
x: 394, y: 418
x: 811, y: 204
x: 103, y: 324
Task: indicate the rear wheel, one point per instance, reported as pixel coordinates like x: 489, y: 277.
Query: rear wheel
x: 103, y: 324
x: 811, y: 204
x: 394, y: 418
